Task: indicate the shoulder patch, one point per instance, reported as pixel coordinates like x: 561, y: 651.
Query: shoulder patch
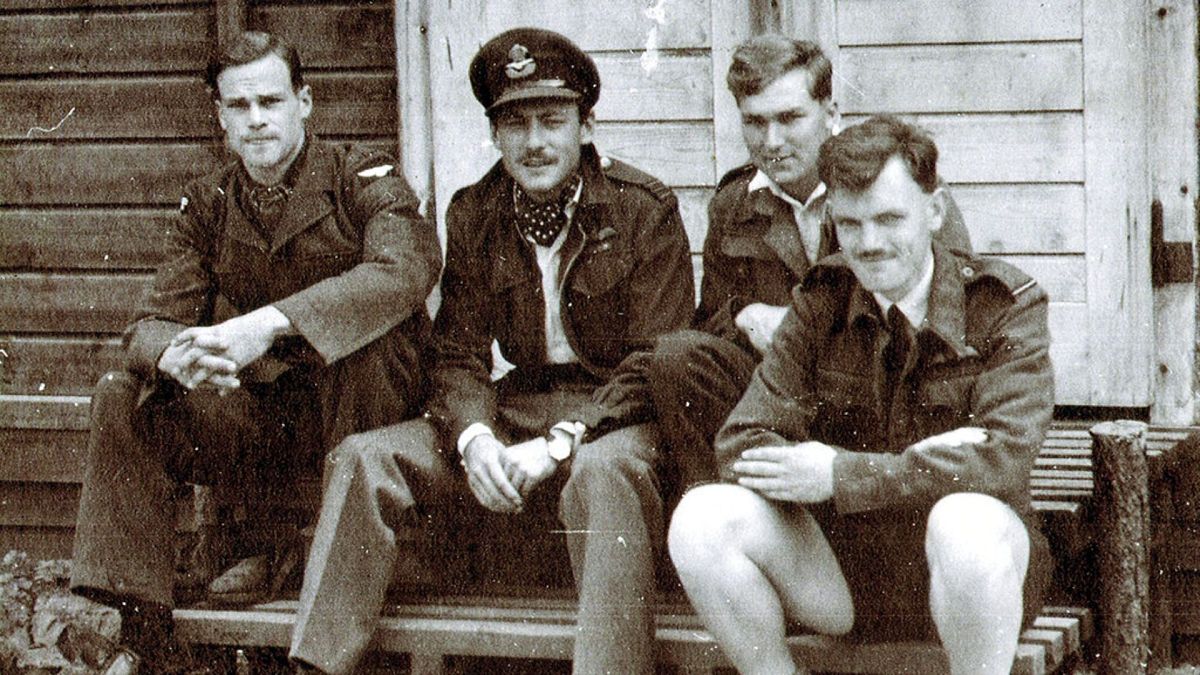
x: 376, y: 171
x: 620, y: 171
x: 743, y: 171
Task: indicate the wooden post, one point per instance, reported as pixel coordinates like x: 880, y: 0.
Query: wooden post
x: 1123, y: 525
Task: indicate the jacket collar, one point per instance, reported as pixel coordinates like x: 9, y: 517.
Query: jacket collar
x: 310, y: 199
x: 946, y: 317
x: 782, y: 234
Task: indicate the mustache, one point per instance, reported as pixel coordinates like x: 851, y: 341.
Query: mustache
x: 873, y: 254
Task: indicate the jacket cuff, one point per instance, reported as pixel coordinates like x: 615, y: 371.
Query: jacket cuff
x: 863, y: 481
x: 471, y: 433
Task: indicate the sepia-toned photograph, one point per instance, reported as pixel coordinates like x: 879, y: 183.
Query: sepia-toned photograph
x: 599, y: 337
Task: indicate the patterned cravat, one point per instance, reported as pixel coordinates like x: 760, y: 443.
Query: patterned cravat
x: 268, y: 203
x: 542, y: 221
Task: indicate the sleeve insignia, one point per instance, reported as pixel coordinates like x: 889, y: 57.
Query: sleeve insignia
x: 376, y: 171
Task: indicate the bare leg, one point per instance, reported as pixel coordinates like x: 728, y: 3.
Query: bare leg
x: 746, y: 563
x: 978, y: 552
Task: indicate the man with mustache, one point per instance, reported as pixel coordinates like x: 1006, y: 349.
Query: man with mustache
x: 288, y: 312
x: 573, y: 264
x: 767, y: 225
x: 877, y: 469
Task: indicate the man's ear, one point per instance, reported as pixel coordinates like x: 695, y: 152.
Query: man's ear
x: 587, y: 128
x: 936, y: 208
x: 306, y: 101
x: 220, y: 116
x: 833, y: 118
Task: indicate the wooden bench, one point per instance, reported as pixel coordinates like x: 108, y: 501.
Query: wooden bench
x: 431, y: 627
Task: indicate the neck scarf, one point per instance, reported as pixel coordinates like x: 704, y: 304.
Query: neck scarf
x: 542, y: 221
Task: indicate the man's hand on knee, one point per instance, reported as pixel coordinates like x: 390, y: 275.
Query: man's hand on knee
x: 800, y: 473
x: 528, y: 464
x: 486, y: 475
x: 242, y: 339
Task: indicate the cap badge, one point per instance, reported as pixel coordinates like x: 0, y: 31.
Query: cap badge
x: 520, y: 64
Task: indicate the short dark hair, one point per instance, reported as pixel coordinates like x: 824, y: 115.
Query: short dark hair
x: 251, y: 46
x: 765, y: 58
x: 853, y: 159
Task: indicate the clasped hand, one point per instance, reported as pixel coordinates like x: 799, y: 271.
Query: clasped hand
x: 759, y: 322
x: 501, y: 476
x: 212, y: 356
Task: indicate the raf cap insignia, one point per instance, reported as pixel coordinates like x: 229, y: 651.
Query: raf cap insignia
x: 520, y: 64
x: 376, y: 171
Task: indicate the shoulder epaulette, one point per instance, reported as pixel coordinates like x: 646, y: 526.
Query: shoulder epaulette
x: 617, y: 170
x: 976, y: 269
x: 742, y: 171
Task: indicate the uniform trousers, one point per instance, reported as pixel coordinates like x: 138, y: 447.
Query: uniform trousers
x: 260, y: 439
x: 606, y: 496
x: 696, y: 379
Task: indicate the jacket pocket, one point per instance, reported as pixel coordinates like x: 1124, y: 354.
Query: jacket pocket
x: 598, y: 272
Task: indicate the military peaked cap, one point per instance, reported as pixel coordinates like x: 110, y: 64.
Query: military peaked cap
x: 532, y: 63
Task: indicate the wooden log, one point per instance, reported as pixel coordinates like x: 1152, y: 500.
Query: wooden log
x: 1123, y: 531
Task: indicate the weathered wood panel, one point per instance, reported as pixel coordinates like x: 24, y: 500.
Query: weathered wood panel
x: 1008, y: 148
x: 1026, y: 218
x: 333, y: 35
x: 83, y: 239
x: 64, y: 303
x: 678, y: 154
x: 975, y: 78
x: 41, y: 543
x: 1120, y: 299
x: 1005, y: 148
x: 135, y: 173
x: 1069, y: 351
x: 38, y: 504
x: 177, y: 107
x: 20, y: 411
x: 693, y: 206
x: 1063, y: 277
x: 47, y: 174
x: 87, y: 4
x: 167, y: 40
x: 670, y: 87
x: 56, y: 365
x: 42, y: 455
x: 1173, y: 176
x: 616, y: 25
x: 959, y: 21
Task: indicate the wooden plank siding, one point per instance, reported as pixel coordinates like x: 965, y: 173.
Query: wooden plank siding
x: 103, y: 118
x: 1039, y: 127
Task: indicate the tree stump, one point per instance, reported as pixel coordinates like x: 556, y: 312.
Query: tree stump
x: 1123, y: 524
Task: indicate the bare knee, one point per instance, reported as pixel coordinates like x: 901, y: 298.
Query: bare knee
x: 713, y: 520
x: 973, y: 538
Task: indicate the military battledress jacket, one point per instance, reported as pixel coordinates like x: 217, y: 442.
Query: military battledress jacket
x: 753, y: 251
x: 981, y: 359
x: 626, y: 277
x: 350, y: 263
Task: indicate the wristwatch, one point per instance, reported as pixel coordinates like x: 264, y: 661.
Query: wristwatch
x: 564, y: 439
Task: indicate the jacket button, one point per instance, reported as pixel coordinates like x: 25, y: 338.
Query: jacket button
x: 605, y: 162
x: 968, y: 272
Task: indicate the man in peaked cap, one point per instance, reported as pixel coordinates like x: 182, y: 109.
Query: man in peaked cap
x: 288, y: 312
x: 573, y: 264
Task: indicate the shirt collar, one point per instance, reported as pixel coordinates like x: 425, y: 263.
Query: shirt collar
x: 762, y: 180
x: 915, y: 304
